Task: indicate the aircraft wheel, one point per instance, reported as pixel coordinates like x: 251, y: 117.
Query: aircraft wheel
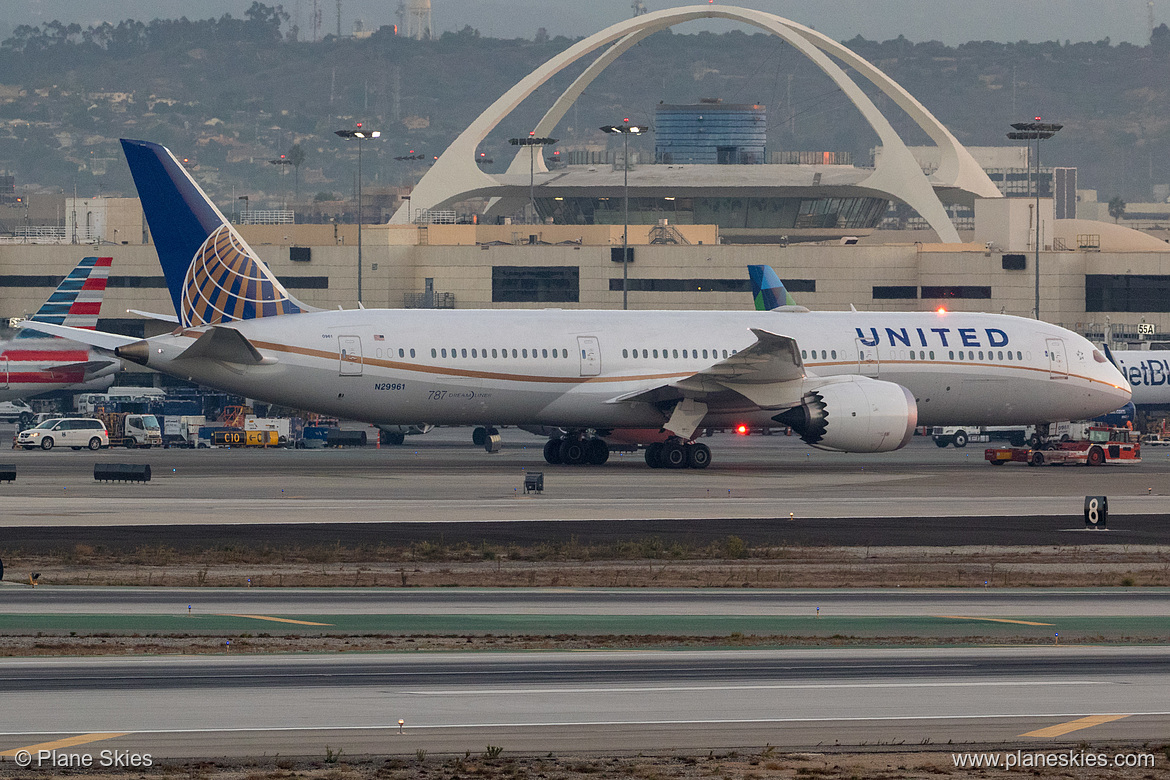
x: 596, y: 452
x: 47, y: 443
x: 654, y: 455
x: 572, y: 452
x: 479, y: 436
x: 674, y: 455
x: 960, y: 439
x: 552, y: 452
x: 492, y: 431
x: 1096, y: 457
x: 698, y: 456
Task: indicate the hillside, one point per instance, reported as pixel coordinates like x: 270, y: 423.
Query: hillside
x: 231, y: 94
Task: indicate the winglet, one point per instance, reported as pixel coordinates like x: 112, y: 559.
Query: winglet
x: 767, y: 290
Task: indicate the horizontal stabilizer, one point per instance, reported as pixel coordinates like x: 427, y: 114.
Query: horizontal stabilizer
x: 94, y: 338
x: 171, y: 318
x: 88, y: 367
x: 227, y: 345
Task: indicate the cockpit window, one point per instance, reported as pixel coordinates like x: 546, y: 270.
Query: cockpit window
x: 1099, y: 357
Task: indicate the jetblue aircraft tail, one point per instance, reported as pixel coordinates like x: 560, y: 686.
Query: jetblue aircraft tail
x: 77, y: 301
x: 767, y: 289
x: 212, y: 273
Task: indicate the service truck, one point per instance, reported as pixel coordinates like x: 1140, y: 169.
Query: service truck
x: 1102, y: 444
x: 131, y: 430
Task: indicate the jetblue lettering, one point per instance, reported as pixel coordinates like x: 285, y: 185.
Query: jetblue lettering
x: 1151, y: 373
x: 970, y: 337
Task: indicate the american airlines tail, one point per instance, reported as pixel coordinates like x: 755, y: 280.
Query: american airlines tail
x: 213, y: 275
x: 77, y: 301
x: 767, y: 290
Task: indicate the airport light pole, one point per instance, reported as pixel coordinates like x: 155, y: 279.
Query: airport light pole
x: 531, y: 141
x: 625, y: 130
x: 1037, y: 131
x: 360, y: 134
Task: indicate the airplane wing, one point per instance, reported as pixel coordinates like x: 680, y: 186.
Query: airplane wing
x: 768, y: 374
x: 171, y: 318
x: 87, y: 367
x: 95, y: 338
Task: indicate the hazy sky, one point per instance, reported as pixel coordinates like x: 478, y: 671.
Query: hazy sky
x: 950, y: 21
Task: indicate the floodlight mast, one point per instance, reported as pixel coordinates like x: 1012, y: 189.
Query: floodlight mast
x: 1037, y: 131
x: 625, y: 130
x: 360, y: 134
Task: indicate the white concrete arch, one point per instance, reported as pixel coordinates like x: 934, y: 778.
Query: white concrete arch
x: 455, y: 174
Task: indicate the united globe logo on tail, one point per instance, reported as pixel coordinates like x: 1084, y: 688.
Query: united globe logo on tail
x: 226, y: 282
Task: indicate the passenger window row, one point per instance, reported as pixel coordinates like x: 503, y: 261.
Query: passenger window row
x: 475, y: 352
x: 687, y: 354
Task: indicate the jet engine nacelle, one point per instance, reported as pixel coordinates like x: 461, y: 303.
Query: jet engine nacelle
x: 855, y: 415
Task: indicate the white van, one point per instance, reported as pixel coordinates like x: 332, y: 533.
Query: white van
x: 75, y: 432
x: 16, y: 411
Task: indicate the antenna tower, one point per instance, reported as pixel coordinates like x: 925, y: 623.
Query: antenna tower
x: 338, y: 18
x: 418, y: 22
x: 315, y: 21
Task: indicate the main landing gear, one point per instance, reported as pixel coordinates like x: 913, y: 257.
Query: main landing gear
x: 580, y: 449
x: 678, y: 454
x: 576, y: 451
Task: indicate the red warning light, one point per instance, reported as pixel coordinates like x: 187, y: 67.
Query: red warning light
x: 1037, y: 119
x: 359, y: 124
x: 741, y: 429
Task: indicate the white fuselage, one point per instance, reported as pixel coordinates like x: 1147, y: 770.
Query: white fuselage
x: 29, y: 367
x: 565, y: 368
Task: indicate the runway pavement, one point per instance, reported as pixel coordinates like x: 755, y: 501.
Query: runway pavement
x: 764, y: 489
x: 887, y: 602
x: 198, y: 707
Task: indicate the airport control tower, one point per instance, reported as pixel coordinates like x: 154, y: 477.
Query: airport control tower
x: 711, y: 132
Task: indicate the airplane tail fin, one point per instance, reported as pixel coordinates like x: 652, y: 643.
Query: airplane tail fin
x: 212, y: 273
x: 77, y: 301
x: 767, y: 289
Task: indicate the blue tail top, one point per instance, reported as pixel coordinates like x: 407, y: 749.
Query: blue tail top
x: 767, y: 289
x: 212, y: 273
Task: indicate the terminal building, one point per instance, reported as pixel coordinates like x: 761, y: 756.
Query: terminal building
x: 696, y: 221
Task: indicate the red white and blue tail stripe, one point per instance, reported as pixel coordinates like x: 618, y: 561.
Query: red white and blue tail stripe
x: 78, y: 299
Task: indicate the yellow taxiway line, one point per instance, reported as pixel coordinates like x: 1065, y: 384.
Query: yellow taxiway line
x: 1061, y: 729
x: 80, y: 739
x: 279, y: 620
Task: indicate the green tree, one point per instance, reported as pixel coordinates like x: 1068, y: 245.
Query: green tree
x: 1116, y: 207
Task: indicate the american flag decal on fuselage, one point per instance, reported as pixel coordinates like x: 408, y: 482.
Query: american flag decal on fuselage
x: 77, y: 300
x: 226, y: 282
